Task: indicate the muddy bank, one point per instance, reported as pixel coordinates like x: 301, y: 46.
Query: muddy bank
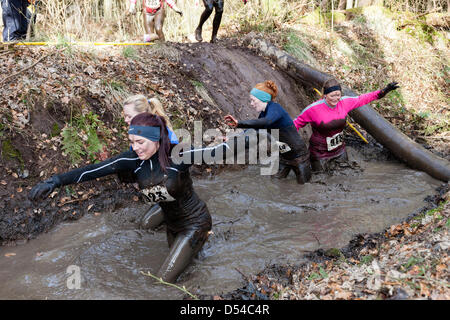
x: 408, y: 260
x: 52, y: 88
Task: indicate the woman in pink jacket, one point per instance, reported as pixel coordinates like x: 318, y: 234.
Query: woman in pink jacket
x: 327, y: 118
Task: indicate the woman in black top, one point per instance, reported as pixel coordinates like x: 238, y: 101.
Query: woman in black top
x: 162, y: 181
x: 294, y: 154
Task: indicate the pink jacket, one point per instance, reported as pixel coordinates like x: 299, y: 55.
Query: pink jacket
x: 327, y: 123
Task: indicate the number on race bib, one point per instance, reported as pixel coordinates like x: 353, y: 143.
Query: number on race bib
x: 283, y: 147
x: 153, y: 4
x: 335, y: 141
x: 157, y: 194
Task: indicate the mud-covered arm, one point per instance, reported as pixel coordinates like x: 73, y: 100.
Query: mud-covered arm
x: 261, y: 123
x: 123, y: 162
x: 186, y: 155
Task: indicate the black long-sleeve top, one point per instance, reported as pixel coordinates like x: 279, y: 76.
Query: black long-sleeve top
x: 275, y: 117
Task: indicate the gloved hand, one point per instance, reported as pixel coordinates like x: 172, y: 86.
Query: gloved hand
x: 43, y: 189
x: 231, y: 121
x: 391, y: 86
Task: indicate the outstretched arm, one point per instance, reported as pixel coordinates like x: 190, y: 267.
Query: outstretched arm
x: 235, y: 146
x: 123, y: 162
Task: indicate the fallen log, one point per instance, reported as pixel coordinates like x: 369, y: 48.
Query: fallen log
x: 406, y: 150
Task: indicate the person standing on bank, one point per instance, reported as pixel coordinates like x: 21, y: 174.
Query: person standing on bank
x: 328, y: 118
x: 294, y: 154
x: 154, y: 15
x: 209, y: 6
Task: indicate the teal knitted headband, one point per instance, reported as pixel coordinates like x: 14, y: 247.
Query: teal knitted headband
x: 261, y: 95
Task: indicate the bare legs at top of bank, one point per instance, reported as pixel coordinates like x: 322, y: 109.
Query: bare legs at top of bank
x: 154, y: 14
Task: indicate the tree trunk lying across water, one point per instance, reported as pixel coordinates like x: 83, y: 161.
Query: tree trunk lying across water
x: 410, y: 152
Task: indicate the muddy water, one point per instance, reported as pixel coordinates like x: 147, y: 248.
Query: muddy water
x: 257, y: 221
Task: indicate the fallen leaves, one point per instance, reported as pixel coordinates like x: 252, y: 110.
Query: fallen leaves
x: 403, y: 266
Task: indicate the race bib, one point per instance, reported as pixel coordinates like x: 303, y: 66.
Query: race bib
x: 335, y: 141
x: 283, y: 147
x: 157, y: 194
x: 153, y: 4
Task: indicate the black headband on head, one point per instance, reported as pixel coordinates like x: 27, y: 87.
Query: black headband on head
x: 331, y: 89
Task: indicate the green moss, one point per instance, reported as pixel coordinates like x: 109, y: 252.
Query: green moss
x: 129, y: 52
x: 11, y: 153
x: 56, y: 130
x: 197, y: 84
x: 333, y: 252
x: 337, y: 17
x: 367, y: 259
x: 177, y: 123
x: 421, y: 31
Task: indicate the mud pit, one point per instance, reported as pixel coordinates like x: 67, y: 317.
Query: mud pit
x: 256, y: 220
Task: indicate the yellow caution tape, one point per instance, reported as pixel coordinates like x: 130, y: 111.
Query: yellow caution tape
x: 349, y: 124
x: 78, y: 43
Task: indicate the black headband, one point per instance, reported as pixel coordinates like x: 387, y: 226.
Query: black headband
x: 331, y: 89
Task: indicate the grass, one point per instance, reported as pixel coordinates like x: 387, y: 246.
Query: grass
x: 129, y: 52
x: 298, y: 48
x: 81, y: 137
x: 9, y: 152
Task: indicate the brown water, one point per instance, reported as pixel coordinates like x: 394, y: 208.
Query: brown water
x: 257, y: 221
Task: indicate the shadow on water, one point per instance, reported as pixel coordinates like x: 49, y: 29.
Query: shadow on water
x: 257, y: 221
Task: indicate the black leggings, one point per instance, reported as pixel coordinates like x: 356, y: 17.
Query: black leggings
x: 15, y: 19
x: 209, y: 6
x: 184, y: 245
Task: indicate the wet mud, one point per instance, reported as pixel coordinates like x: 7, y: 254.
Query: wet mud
x: 229, y: 72
x: 258, y: 221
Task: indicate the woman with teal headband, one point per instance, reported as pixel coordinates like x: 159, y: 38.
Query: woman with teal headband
x: 294, y: 154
